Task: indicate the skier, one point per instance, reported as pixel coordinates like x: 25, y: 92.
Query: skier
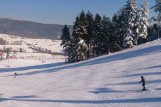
x: 15, y: 75
x: 143, y: 81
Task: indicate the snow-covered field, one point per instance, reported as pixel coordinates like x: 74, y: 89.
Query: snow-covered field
x: 107, y: 81
x: 25, y: 43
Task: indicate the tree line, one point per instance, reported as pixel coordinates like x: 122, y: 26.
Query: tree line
x: 95, y: 35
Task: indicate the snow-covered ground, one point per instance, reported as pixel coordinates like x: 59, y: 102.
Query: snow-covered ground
x: 106, y: 81
x: 26, y: 43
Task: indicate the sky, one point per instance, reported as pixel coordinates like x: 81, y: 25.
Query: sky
x: 60, y: 11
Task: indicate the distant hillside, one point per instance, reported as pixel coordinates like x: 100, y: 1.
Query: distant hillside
x: 30, y: 29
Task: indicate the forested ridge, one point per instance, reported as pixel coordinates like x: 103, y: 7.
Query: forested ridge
x: 30, y: 29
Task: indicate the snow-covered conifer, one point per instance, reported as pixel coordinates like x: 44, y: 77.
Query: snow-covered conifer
x: 81, y: 49
x: 142, y: 27
x: 79, y: 34
x: 130, y: 31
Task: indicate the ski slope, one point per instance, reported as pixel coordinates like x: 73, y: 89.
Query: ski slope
x: 107, y: 81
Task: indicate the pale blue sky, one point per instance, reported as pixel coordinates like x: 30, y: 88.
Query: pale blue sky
x: 60, y: 11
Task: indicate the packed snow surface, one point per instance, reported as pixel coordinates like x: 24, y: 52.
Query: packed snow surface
x: 107, y: 81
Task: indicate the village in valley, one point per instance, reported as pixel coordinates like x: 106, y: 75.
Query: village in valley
x: 28, y: 48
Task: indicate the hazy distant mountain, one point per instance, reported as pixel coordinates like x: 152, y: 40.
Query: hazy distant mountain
x: 30, y: 29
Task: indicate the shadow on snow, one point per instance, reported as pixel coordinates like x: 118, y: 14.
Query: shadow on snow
x: 103, y: 90
x: 132, y: 83
x: 59, y: 66
x: 137, y: 100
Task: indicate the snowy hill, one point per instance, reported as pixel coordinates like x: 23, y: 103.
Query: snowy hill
x: 28, y: 44
x: 107, y: 81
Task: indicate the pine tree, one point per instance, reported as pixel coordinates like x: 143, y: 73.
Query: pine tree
x: 74, y: 41
x: 130, y: 26
x: 117, y: 31
x: 81, y: 50
x: 81, y: 28
x: 142, y: 26
x: 89, y: 34
x: 66, y: 41
x: 65, y: 37
x: 97, y: 35
x: 152, y: 32
x: 157, y: 9
x: 105, y: 36
x: 82, y: 34
x: 79, y: 47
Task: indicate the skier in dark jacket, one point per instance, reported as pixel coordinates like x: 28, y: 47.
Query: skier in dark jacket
x: 15, y: 75
x: 143, y: 81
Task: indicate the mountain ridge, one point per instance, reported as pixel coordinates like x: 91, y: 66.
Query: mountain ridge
x: 30, y: 29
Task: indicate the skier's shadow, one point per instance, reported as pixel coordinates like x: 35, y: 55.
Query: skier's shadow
x: 103, y: 90
x: 158, y: 89
x: 108, y: 90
